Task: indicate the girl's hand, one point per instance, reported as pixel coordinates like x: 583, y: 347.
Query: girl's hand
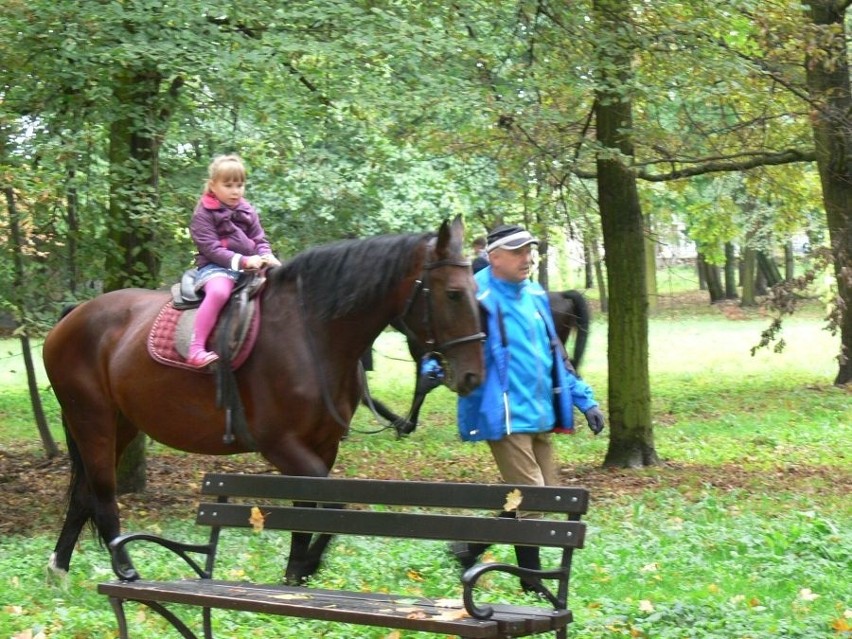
x: 253, y: 262
x: 271, y: 260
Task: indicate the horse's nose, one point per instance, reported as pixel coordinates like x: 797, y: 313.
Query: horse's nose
x: 469, y: 382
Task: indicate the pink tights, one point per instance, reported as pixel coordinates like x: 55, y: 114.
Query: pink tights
x: 216, y: 294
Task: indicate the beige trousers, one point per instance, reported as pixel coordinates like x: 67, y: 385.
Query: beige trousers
x: 526, y: 459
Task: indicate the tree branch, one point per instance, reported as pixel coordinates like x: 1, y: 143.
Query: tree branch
x: 704, y: 166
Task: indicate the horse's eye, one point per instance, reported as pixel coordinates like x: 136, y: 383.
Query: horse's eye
x: 455, y: 296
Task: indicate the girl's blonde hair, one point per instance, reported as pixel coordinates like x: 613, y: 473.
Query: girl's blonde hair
x: 225, y: 168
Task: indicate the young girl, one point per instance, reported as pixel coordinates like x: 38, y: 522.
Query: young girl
x: 229, y: 237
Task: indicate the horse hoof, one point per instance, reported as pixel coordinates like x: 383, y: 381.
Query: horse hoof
x: 295, y: 580
x: 404, y: 428
x: 56, y: 575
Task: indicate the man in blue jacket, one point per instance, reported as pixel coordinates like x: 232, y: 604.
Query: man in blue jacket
x: 530, y: 388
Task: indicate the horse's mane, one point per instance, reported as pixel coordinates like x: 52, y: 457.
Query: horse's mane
x: 350, y: 275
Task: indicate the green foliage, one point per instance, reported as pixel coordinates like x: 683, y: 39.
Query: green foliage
x: 743, y: 532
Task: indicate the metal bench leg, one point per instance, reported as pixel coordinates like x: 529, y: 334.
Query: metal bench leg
x: 169, y: 616
x: 118, y: 609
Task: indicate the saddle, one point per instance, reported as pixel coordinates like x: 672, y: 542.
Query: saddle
x: 235, y: 331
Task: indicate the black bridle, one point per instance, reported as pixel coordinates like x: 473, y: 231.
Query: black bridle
x: 422, y: 287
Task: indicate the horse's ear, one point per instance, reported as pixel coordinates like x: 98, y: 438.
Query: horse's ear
x: 450, y: 239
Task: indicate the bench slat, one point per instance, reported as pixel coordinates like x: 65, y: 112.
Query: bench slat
x: 555, y: 499
x: 529, y: 532
x: 409, y: 613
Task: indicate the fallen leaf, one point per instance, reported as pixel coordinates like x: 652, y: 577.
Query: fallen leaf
x: 289, y: 596
x: 646, y: 606
x: 713, y: 588
x: 806, y: 594
x: 448, y: 603
x: 417, y: 614
x: 649, y: 568
x: 452, y: 615
x: 414, y: 575
x: 841, y: 625
x: 392, y: 635
x: 513, y: 500
x: 257, y: 519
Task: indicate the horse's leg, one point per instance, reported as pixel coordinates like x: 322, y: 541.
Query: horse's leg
x: 78, y: 511
x: 92, y: 491
x: 291, y: 457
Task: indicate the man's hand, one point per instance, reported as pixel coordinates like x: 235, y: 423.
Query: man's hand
x: 596, y: 420
x: 431, y: 375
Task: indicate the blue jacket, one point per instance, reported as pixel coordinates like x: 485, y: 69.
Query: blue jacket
x: 527, y: 387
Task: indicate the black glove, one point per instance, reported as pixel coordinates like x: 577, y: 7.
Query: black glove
x: 596, y: 420
x: 431, y: 375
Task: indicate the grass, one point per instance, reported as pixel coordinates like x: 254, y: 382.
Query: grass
x: 743, y: 532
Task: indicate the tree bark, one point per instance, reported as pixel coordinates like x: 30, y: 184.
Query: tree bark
x: 50, y: 447
x: 730, y: 272
x: 830, y: 91
x: 631, y: 440
x: 133, y: 204
x: 749, y: 277
x: 651, y: 266
x: 712, y: 278
x: 768, y: 268
x: 789, y: 262
x: 589, y: 266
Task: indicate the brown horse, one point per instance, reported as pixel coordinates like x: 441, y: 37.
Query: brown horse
x: 299, y: 387
x: 571, y: 314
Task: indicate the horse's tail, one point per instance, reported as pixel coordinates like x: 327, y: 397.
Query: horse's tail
x: 78, y: 485
x: 584, y: 318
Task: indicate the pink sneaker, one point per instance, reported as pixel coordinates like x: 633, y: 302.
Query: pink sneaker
x: 201, y: 359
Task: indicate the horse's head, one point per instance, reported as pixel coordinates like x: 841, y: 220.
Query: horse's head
x: 443, y: 313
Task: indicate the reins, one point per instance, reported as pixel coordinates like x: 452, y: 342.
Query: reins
x: 421, y: 287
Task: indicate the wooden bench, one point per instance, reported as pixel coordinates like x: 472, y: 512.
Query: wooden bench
x: 379, y: 508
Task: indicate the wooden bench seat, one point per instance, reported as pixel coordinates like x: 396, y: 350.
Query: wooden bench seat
x: 378, y: 508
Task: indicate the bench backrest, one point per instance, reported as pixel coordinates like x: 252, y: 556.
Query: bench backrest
x: 434, y: 510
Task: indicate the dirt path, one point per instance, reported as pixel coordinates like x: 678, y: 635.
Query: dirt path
x: 32, y: 489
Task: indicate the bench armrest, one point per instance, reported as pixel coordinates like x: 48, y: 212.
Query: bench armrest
x: 473, y: 574
x: 117, y: 553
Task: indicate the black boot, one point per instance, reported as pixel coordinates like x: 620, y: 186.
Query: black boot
x: 467, y: 554
x: 528, y: 557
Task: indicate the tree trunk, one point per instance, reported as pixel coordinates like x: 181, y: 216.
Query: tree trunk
x: 700, y: 270
x: 768, y: 268
x: 71, y: 202
x: 50, y: 447
x: 133, y: 205
x: 631, y: 440
x: 543, y: 262
x: 713, y: 279
x: 589, y: 266
x: 730, y: 272
x: 603, y: 295
x: 789, y: 262
x: 827, y: 72
x: 749, y: 263
x: 651, y: 265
